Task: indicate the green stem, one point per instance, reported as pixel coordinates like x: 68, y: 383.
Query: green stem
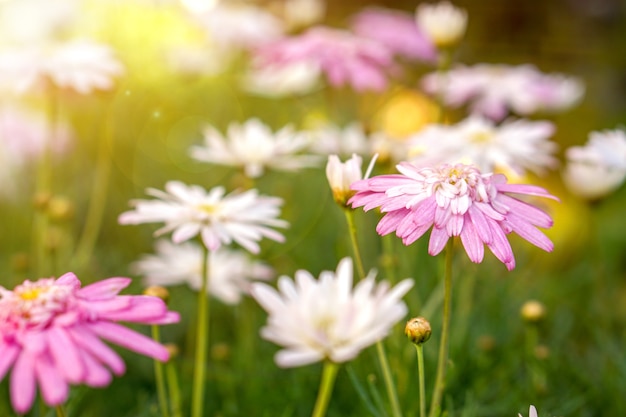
x: 60, y: 411
x: 174, y: 390
x: 158, y: 373
x: 391, y: 387
x: 355, y: 244
x: 329, y: 375
x: 98, y: 199
x: 440, y: 381
x: 202, y: 338
x: 420, y: 371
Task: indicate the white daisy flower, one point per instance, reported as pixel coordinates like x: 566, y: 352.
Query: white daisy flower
x: 515, y: 146
x: 443, y: 23
x: 230, y: 272
x: 326, y: 318
x: 253, y: 146
x: 219, y: 219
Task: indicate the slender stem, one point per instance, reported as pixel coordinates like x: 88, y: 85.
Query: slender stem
x: 174, y: 388
x: 382, y: 358
x: 158, y: 373
x: 329, y: 375
x: 355, y: 244
x: 60, y: 411
x: 391, y: 387
x: 440, y: 381
x: 420, y: 371
x: 202, y: 338
x: 98, y: 199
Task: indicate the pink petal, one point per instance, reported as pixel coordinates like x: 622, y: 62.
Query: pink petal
x: 107, y: 288
x: 480, y: 223
x: 23, y: 383
x: 135, y: 308
x: 96, y: 375
x: 529, y: 232
x: 130, y: 339
x: 69, y: 279
x: 65, y: 354
x: 8, y: 354
x: 472, y: 242
x: 500, y: 246
x: 525, y: 189
x: 53, y: 387
x: 438, y: 239
x: 98, y: 349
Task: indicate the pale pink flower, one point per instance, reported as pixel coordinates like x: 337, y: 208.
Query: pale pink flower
x: 516, y: 145
x: 52, y: 332
x: 80, y: 65
x: 455, y: 200
x: 219, y: 219
x: 396, y: 30
x: 326, y: 318
x: 345, y: 59
x: 341, y: 175
x: 494, y: 90
x: 230, y: 271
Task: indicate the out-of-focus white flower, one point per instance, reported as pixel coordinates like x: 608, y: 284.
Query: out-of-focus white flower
x: 331, y: 139
x: 284, y: 80
x: 254, y: 147
x: 230, y: 271
x: 326, y: 318
x: 492, y: 90
x: 302, y: 13
x: 598, y: 168
x: 443, y: 23
x: 515, y: 145
x: 34, y: 21
x: 219, y: 219
x: 24, y: 137
x: 532, y: 412
x: 341, y: 175
x: 80, y: 65
x: 240, y: 26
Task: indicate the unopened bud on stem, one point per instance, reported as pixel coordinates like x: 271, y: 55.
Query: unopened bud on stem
x: 418, y: 330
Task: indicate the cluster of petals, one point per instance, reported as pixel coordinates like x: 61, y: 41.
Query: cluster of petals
x: 80, y: 65
x: 516, y: 145
x: 254, y: 147
x: 598, y: 168
x: 443, y: 23
x: 219, y: 219
x: 396, y: 30
x: 455, y: 200
x: 328, y: 319
x: 230, y: 271
x: 343, y: 57
x: 494, y: 90
x: 52, y: 332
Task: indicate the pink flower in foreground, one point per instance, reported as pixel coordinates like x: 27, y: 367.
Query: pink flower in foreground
x: 396, y: 30
x: 343, y: 57
x: 455, y: 200
x: 51, y: 333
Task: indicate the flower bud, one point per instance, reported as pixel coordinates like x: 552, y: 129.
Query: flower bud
x: 341, y: 175
x: 60, y: 208
x: 443, y: 23
x: 418, y: 330
x: 172, y: 349
x: 159, y: 292
x: 533, y: 311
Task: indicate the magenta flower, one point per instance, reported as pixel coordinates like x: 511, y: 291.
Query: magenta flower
x: 455, y: 200
x: 345, y: 59
x: 51, y: 333
x: 397, y: 30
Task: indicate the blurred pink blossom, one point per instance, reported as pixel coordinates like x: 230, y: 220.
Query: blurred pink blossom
x: 51, y: 334
x: 346, y: 59
x: 396, y: 30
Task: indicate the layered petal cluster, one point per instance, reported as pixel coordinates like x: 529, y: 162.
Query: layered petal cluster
x: 494, y: 90
x: 254, y: 147
x: 80, y: 65
x: 219, y: 219
x: 52, y: 334
x: 396, y: 30
x: 326, y: 318
x: 513, y: 146
x: 455, y: 200
x: 230, y: 271
x: 345, y: 59
x: 599, y: 167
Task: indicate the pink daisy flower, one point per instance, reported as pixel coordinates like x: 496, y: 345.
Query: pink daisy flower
x: 51, y: 334
x: 455, y: 200
x: 396, y: 30
x: 345, y: 59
